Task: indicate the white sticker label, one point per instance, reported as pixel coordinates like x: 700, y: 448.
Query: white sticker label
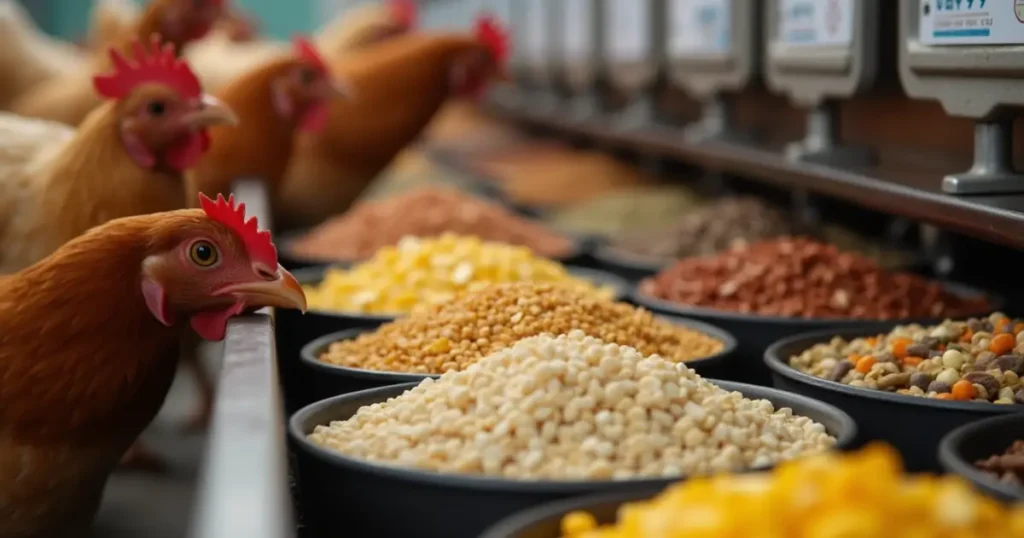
x: 629, y: 21
x: 815, y: 23
x: 536, y: 31
x: 972, y: 22
x: 699, y: 27
x: 579, y: 29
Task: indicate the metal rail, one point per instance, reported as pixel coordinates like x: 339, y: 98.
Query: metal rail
x: 243, y: 486
x: 911, y: 192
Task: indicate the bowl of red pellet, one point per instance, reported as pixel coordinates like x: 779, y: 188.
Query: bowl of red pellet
x: 768, y: 290
x: 990, y: 454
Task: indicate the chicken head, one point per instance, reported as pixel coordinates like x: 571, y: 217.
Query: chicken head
x: 304, y: 91
x: 188, y: 20
x: 217, y: 268
x: 163, y: 112
x: 473, y: 69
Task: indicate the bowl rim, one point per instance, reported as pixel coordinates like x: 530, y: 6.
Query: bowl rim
x: 518, y: 521
x: 314, y: 274
x: 845, y: 436
x: 952, y: 461
x: 608, y: 254
x: 806, y: 340
x: 310, y: 351
x: 996, y: 304
x: 286, y: 245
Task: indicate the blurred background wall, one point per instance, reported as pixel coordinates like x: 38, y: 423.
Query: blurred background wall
x: 279, y: 18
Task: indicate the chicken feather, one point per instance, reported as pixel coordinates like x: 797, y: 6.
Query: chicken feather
x: 51, y: 191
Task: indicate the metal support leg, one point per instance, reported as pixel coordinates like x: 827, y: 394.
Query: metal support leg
x: 808, y: 216
x: 639, y: 113
x: 992, y: 171
x: 821, y: 142
x: 936, y: 249
x: 715, y: 124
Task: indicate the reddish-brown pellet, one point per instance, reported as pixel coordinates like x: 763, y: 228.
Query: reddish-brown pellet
x: 800, y: 277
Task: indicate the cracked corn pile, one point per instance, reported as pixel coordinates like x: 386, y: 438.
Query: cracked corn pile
x: 573, y: 407
x: 801, y: 277
x: 980, y: 359
x: 858, y: 495
x: 433, y: 271
x: 453, y: 336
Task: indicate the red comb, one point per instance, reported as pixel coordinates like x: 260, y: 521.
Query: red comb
x: 494, y: 37
x: 257, y: 243
x: 305, y: 51
x: 406, y: 12
x: 158, y: 65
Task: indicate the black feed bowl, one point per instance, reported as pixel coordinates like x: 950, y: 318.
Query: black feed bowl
x: 325, y: 380
x: 545, y: 521
x: 977, y: 441
x: 629, y: 266
x: 912, y: 424
x: 756, y: 333
x: 295, y: 330
x: 336, y: 490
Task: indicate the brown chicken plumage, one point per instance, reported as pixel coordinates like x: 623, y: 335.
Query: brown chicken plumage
x: 400, y: 84
x: 272, y: 102
x: 127, y: 158
x: 69, y: 99
x: 88, y: 348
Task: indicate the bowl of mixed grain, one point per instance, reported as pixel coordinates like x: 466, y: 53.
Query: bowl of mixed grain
x: 547, y: 418
x: 454, y: 335
x: 912, y: 384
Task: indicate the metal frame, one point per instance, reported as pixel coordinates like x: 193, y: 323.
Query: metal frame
x: 976, y: 81
x: 814, y: 77
x: 243, y: 487
x: 995, y: 218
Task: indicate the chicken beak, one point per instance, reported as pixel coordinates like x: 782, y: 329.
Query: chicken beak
x: 212, y: 112
x: 282, y: 292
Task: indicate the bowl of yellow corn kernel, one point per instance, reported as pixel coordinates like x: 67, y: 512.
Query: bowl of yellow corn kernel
x: 861, y: 494
x: 420, y: 272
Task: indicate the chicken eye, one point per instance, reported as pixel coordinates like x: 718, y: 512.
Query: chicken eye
x: 156, y: 108
x: 203, y: 253
x: 306, y: 75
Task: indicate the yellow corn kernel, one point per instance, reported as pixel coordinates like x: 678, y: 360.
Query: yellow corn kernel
x: 423, y: 271
x: 859, y: 495
x: 577, y: 523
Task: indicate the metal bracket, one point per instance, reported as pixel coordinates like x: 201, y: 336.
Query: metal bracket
x: 715, y: 124
x: 821, y: 143
x: 992, y: 171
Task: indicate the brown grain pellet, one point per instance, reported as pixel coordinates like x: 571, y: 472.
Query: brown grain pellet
x: 800, y: 277
x: 452, y: 336
x: 1008, y: 467
x: 425, y: 212
x: 558, y: 176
